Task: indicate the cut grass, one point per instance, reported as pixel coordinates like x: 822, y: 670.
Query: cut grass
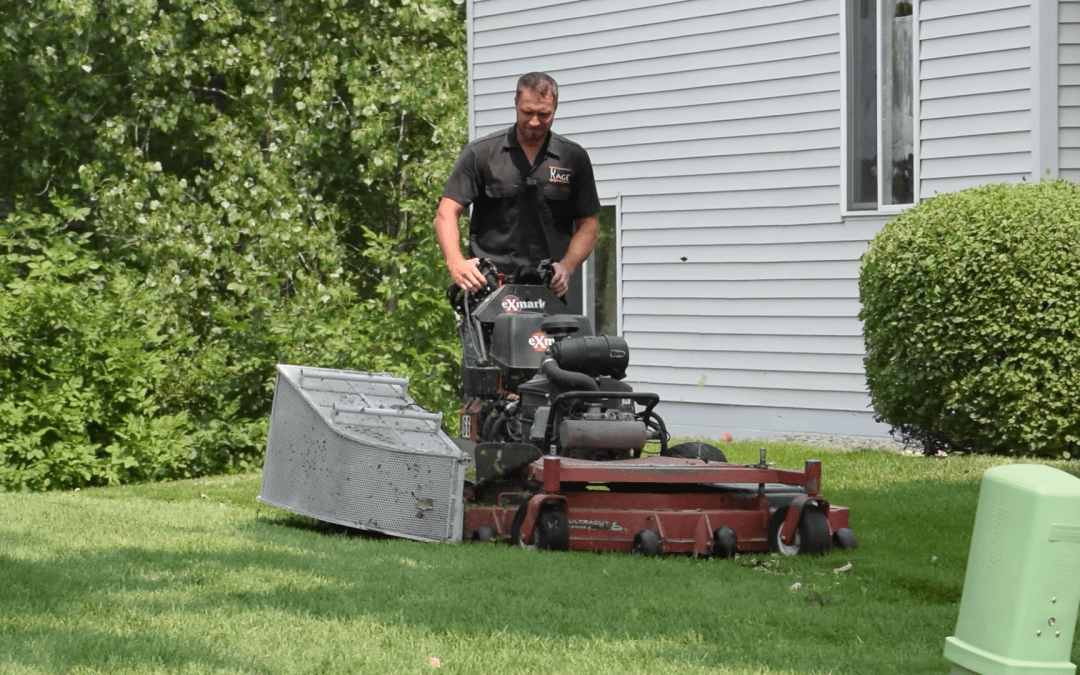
x: 197, y: 577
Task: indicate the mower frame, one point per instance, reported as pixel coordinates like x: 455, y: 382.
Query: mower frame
x: 685, y: 503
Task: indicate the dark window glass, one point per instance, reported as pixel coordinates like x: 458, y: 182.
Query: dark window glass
x: 603, y: 273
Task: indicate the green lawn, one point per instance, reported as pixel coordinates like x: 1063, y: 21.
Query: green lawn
x: 197, y: 577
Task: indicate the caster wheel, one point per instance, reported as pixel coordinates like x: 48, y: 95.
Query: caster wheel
x: 844, y: 538
x: 725, y: 542
x: 646, y: 543
x: 515, y: 526
x: 482, y: 534
x: 552, y: 531
x: 811, y: 536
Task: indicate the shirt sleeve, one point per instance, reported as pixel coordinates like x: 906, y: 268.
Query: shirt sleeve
x: 464, y: 186
x: 586, y: 202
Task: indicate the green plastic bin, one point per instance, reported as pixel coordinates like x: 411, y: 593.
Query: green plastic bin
x: 1022, y: 585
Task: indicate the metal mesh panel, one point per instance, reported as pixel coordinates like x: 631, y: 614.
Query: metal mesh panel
x: 352, y: 448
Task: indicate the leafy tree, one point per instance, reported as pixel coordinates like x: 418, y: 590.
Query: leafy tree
x: 203, y: 190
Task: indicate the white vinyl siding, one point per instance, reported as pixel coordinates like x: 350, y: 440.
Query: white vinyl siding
x: 1069, y: 89
x: 975, y: 98
x: 718, y: 125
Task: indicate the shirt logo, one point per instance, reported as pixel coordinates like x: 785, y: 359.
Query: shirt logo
x: 559, y: 175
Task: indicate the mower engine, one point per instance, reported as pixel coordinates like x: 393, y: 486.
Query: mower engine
x: 538, y: 382
x: 533, y: 374
x: 576, y: 406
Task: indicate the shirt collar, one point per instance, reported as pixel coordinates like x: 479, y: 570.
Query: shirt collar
x: 551, y: 146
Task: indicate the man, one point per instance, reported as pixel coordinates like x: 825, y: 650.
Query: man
x: 532, y: 192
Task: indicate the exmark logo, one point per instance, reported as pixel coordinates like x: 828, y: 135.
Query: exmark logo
x: 540, y: 341
x: 511, y: 304
x: 557, y: 174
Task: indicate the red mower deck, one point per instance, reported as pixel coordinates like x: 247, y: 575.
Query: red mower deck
x: 665, y: 505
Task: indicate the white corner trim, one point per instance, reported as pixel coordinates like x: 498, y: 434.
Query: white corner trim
x: 1044, y: 89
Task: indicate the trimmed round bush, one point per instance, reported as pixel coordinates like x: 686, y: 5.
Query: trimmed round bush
x: 971, y: 313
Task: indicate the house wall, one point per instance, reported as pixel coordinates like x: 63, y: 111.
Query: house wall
x: 719, y: 126
x: 1069, y: 89
x: 716, y: 126
x: 976, y: 99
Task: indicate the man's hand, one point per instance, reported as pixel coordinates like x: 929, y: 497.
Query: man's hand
x: 561, y: 281
x: 466, y: 274
x: 581, y: 245
x: 463, y: 271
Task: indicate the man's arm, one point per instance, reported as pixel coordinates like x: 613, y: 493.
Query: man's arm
x: 586, y: 232
x: 463, y: 271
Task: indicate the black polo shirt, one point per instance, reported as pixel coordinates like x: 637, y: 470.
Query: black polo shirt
x: 522, y: 214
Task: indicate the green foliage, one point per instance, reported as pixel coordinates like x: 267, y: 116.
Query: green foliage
x: 970, y: 317
x: 199, y: 191
x: 79, y: 353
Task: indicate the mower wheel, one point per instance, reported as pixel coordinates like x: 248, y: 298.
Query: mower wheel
x: 483, y: 534
x: 725, y: 542
x: 811, y: 536
x: 844, y: 538
x: 693, y: 450
x: 646, y: 543
x: 552, y: 531
x: 515, y: 525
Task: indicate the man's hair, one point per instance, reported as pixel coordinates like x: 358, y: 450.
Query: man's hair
x: 540, y: 84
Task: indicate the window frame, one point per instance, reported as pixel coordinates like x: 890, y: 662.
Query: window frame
x: 846, y: 167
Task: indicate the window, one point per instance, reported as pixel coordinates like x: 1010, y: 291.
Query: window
x: 602, y: 276
x: 597, y: 285
x: 880, y: 104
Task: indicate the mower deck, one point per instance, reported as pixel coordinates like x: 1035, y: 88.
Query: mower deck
x: 663, y: 505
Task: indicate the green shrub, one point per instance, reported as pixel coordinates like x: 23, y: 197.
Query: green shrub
x: 971, y: 314
x: 193, y: 192
x: 82, y: 352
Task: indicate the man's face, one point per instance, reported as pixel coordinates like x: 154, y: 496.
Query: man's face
x: 535, y: 114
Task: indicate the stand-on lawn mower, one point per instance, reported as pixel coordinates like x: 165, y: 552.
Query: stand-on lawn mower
x: 559, y: 440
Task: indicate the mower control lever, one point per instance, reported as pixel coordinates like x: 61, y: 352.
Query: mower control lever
x: 462, y: 301
x: 487, y: 268
x: 546, y: 270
